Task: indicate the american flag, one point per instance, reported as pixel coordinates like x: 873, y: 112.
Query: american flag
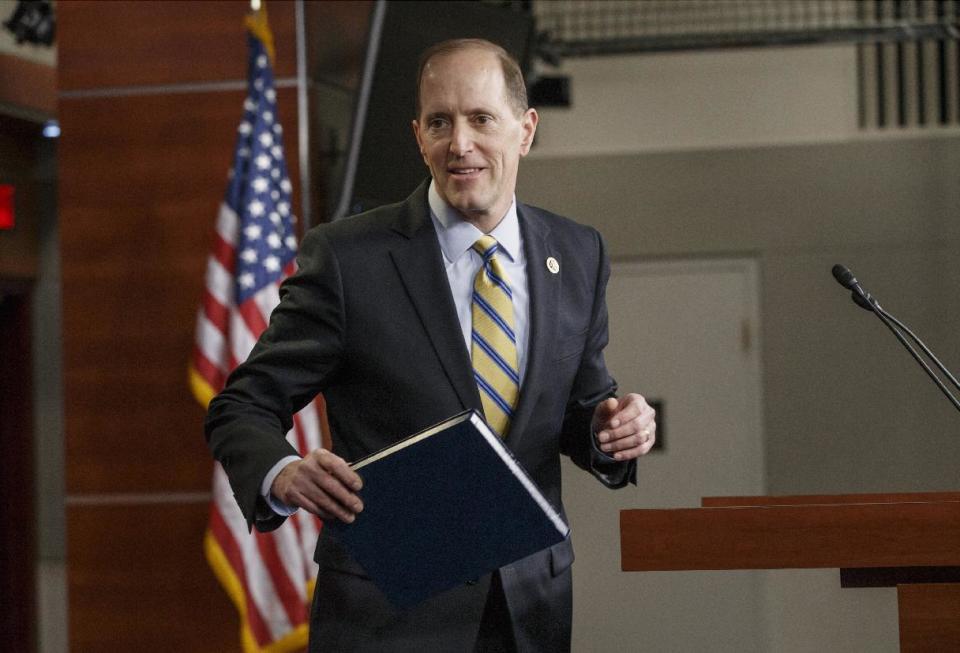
x: 268, y: 576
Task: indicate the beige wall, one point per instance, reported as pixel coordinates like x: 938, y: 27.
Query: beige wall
x: 693, y: 100
x: 845, y: 407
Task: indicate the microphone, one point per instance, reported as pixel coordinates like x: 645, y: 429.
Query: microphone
x: 860, y: 296
x: 864, y: 300
x: 844, y: 276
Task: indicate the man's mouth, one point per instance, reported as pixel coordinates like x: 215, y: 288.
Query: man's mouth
x: 464, y: 172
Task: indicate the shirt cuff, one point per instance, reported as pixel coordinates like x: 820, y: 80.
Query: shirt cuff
x: 275, y: 504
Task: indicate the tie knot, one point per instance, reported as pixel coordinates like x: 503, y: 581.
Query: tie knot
x: 486, y: 246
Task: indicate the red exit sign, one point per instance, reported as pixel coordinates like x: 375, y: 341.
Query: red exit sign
x: 6, y: 206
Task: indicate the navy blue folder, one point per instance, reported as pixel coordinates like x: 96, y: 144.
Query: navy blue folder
x: 443, y: 507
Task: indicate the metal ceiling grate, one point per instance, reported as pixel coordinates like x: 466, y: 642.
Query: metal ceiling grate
x: 571, y: 28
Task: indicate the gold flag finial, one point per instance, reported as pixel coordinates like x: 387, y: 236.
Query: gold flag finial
x: 256, y: 22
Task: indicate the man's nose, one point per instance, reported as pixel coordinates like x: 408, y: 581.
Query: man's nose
x: 461, y: 140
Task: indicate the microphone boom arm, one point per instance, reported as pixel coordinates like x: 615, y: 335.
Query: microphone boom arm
x: 864, y: 300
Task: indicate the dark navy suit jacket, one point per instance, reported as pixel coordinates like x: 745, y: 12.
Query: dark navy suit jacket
x: 369, y: 321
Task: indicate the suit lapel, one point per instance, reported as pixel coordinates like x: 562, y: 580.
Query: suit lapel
x: 544, y: 292
x: 419, y: 263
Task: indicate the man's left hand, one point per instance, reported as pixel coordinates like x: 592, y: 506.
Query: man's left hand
x: 625, y: 427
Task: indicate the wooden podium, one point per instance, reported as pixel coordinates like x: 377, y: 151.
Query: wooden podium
x: 907, y: 541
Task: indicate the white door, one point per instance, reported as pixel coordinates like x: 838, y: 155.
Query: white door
x: 685, y: 333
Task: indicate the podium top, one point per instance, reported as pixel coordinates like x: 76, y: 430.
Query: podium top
x: 799, y: 532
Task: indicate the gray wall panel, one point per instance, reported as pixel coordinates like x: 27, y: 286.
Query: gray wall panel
x: 846, y: 409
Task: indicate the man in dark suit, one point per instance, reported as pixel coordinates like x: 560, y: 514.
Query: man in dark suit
x: 381, y: 319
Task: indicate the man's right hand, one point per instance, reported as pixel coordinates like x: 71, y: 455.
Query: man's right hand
x: 321, y: 483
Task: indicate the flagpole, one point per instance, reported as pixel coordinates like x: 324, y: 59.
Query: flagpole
x: 303, y: 119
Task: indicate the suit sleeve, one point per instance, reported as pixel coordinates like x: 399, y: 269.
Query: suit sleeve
x: 295, y: 356
x: 592, y: 385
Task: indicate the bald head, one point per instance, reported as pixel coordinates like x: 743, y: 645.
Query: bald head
x: 516, y: 89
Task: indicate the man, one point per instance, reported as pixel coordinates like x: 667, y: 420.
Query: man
x: 389, y: 319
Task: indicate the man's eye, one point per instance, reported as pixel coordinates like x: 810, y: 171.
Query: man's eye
x: 437, y: 123
x: 483, y: 120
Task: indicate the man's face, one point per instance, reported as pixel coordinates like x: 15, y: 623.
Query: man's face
x: 470, y: 135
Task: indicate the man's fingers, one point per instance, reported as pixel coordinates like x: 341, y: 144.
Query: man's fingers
x: 631, y: 440
x: 622, y: 443
x: 606, y: 409
x: 615, y: 417
x: 630, y: 408
x: 329, y: 499
x: 308, y: 505
x: 326, y: 508
x: 635, y: 452
x: 633, y: 427
x: 335, y: 489
x: 324, y: 484
x: 339, y: 468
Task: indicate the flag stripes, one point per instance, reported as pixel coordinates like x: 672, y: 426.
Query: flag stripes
x: 268, y: 576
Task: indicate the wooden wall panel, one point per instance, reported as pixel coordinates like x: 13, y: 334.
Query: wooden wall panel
x: 337, y: 33
x: 144, y: 176
x: 139, y: 582
x: 29, y: 85
x: 143, y: 168
x: 133, y: 43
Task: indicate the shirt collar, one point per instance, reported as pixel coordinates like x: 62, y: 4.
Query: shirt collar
x: 457, y: 236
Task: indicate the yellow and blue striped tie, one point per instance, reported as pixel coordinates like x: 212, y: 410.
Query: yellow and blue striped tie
x: 494, y: 341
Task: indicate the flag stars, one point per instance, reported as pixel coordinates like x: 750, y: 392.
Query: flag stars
x: 263, y: 202
x: 261, y: 184
x: 271, y: 264
x: 263, y: 162
x: 256, y: 209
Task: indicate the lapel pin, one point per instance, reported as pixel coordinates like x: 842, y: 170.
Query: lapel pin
x: 552, y: 265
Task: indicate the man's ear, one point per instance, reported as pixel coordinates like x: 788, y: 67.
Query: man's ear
x: 416, y: 133
x: 528, y: 125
